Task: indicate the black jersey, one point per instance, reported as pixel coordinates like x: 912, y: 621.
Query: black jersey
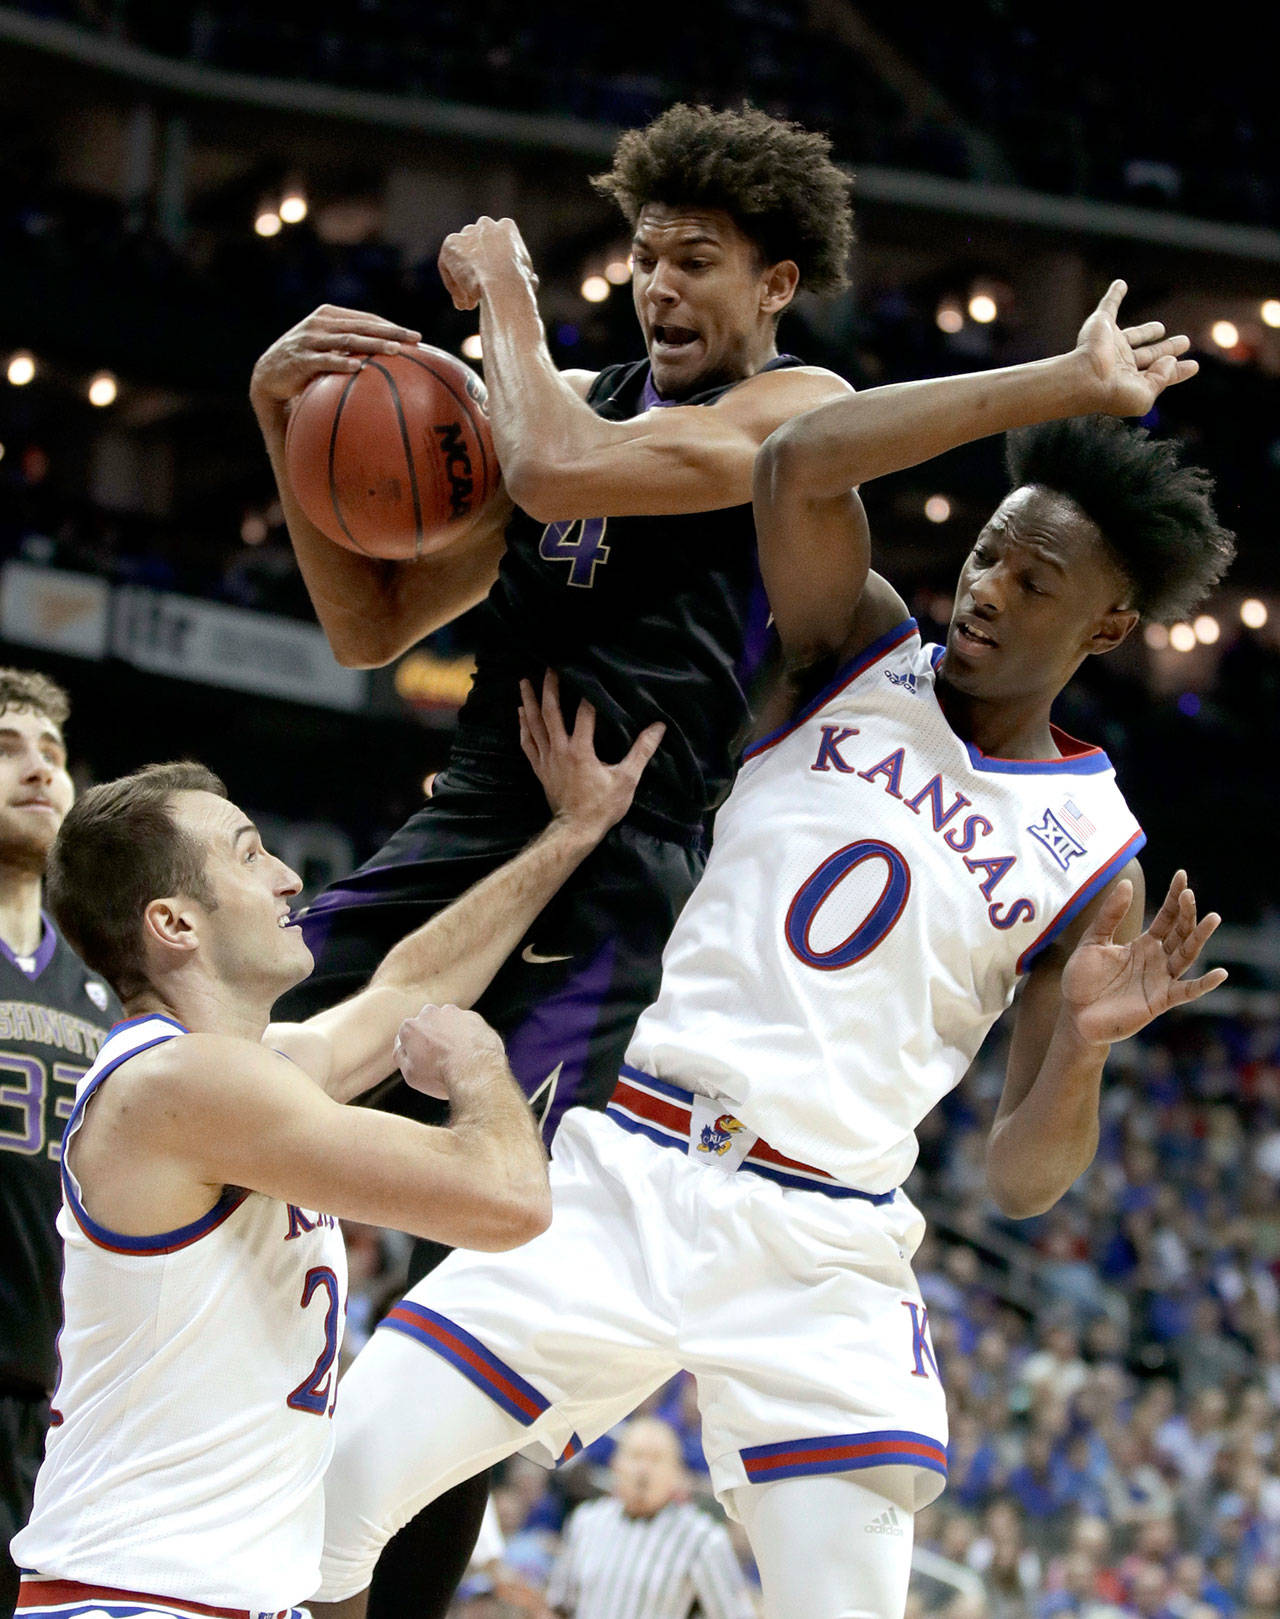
x: 648, y: 617
x: 52, y: 1021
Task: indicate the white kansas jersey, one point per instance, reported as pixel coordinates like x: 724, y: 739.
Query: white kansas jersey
x: 191, y: 1424
x: 875, y: 888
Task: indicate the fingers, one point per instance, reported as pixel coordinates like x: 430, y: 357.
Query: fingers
x: 552, y: 717
x: 1149, y: 352
x: 584, y: 727
x: 1186, y: 951
x: 1111, y: 913
x: 1112, y: 299
x: 1168, y: 912
x: 358, y: 323
x: 1191, y: 989
x: 642, y: 750
x: 532, y: 727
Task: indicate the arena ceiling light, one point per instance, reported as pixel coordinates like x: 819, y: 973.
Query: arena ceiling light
x: 293, y: 208
x: 1207, y: 629
x: 595, y: 289
x: 937, y: 508
x: 267, y: 223
x: 1156, y: 636
x: 103, y: 389
x: 1225, y: 333
x: 1253, y: 613
x: 472, y: 347
x: 983, y: 308
x: 21, y: 368
x: 1270, y: 312
x: 949, y: 317
x: 1182, y: 638
x: 618, y: 272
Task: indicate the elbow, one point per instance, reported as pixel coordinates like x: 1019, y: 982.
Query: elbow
x: 511, y: 1220
x: 538, y: 485
x: 353, y: 655
x: 1017, y: 1202
x: 363, y: 643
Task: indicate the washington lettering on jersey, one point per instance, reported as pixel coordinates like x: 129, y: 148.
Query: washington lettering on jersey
x: 876, y: 887
x: 29, y: 1020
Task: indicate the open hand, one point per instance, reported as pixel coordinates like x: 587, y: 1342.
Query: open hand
x: 470, y: 256
x: 1113, y: 990
x: 578, y: 784
x: 1131, y: 366
x: 329, y: 339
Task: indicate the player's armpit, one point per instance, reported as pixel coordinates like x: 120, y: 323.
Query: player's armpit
x: 671, y: 460
x: 305, y: 1046
x: 237, y: 1114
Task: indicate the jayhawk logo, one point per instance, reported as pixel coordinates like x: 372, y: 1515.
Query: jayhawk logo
x: 718, y: 1137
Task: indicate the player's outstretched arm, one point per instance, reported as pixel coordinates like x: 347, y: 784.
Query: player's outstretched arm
x: 558, y: 458
x: 453, y: 957
x: 212, y: 1111
x: 1109, y: 979
x: 814, y: 548
x: 370, y: 610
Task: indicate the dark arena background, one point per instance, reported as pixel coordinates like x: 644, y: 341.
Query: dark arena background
x: 179, y: 184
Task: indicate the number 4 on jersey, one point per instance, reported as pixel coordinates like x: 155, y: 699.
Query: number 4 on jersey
x: 578, y: 541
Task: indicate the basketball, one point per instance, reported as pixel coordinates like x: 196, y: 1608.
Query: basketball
x: 387, y: 459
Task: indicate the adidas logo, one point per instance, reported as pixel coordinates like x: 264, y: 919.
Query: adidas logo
x: 886, y: 1524
x: 906, y: 681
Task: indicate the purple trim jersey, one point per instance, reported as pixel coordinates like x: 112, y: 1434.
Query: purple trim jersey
x: 649, y: 617
x: 54, y: 1016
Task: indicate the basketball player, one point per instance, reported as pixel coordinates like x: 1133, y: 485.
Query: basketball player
x: 54, y: 1015
x: 203, y: 1291
x: 628, y: 564
x: 888, y: 865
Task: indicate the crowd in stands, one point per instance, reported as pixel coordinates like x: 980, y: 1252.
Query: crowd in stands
x: 1112, y: 1367
x: 1066, y: 117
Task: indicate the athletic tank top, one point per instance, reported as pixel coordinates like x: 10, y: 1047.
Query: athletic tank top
x: 191, y: 1425
x: 875, y: 889
x: 647, y: 617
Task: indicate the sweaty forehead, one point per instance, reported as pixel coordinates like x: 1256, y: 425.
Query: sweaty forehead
x: 667, y: 225
x: 208, y: 817
x: 1052, y: 525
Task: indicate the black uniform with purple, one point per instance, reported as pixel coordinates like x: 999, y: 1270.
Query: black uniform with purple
x: 54, y: 1015
x: 649, y: 618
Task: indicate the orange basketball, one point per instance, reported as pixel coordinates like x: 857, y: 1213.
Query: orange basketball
x: 387, y: 459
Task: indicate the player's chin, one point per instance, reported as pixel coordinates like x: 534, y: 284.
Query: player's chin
x: 677, y: 369
x: 297, y: 963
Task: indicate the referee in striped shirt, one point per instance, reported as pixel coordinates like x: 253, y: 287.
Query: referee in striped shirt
x: 646, y: 1552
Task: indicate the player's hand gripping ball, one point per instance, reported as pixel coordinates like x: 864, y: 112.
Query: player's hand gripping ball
x: 389, y: 459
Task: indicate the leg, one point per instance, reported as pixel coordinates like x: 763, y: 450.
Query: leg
x: 22, y: 1429
x: 408, y: 1427
x: 422, y: 1565
x: 828, y: 1547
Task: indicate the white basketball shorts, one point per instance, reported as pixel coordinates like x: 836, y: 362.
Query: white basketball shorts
x: 796, y: 1311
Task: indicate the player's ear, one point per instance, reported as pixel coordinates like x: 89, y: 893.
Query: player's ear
x: 780, y: 283
x: 170, y: 923
x: 1114, y: 627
